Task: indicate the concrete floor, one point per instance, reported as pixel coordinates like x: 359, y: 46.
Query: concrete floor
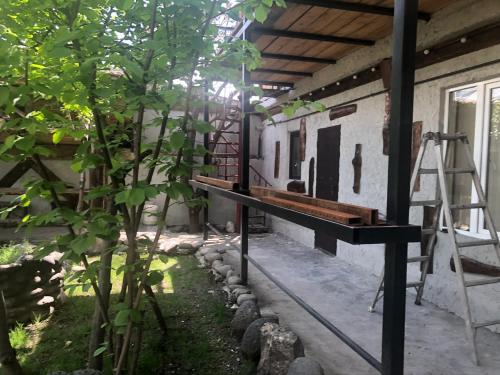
x: 435, y: 339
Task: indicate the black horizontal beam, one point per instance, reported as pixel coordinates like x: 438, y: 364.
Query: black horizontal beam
x: 272, y: 83
x: 284, y: 72
x: 310, y: 36
x: 354, y: 234
x: 277, y: 56
x: 355, y: 7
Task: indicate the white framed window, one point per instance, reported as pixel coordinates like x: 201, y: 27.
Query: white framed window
x: 475, y: 110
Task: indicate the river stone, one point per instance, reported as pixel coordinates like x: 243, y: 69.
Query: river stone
x: 211, y: 257
x: 217, y: 263
x: 305, y: 366
x: 233, y: 280
x: 235, y: 286
x: 223, y: 269
x: 279, y: 348
x: 239, y: 291
x: 245, y: 297
x: 244, y: 316
x: 190, y: 245
x: 250, y: 344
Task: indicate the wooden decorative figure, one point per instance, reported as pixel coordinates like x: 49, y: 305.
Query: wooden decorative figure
x: 356, y: 163
x: 277, y: 160
x: 310, y: 185
x: 415, y: 146
x: 302, y: 139
x: 345, y: 110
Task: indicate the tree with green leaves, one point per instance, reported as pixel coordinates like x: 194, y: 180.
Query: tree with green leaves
x: 90, y: 70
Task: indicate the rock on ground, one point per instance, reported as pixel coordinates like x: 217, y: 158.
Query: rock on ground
x: 245, y: 297
x: 244, y: 316
x: 233, y: 280
x: 211, y: 257
x: 250, y: 344
x: 279, y: 348
x: 305, y: 366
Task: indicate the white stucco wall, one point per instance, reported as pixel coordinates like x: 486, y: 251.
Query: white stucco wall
x: 365, y: 127
x: 219, y: 213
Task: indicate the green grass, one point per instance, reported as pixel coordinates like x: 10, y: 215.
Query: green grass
x: 11, y: 252
x: 18, y: 337
x: 198, y: 340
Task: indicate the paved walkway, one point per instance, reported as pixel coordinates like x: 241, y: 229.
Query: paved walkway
x: 435, y: 339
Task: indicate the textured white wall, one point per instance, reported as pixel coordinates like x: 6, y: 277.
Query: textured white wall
x: 365, y: 127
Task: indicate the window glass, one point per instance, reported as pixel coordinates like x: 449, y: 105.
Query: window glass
x: 461, y: 118
x: 493, y: 171
x: 295, y: 156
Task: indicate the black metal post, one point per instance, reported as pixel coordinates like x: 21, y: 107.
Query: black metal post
x: 398, y: 187
x: 244, y: 171
x: 206, y: 158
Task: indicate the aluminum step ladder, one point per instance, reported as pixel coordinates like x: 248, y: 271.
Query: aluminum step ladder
x: 442, y: 203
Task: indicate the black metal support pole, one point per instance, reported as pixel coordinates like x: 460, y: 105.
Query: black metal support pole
x: 398, y: 187
x: 206, y: 158
x: 244, y: 175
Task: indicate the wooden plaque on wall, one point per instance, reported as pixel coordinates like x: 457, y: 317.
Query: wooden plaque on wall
x: 302, y: 139
x: 277, y: 160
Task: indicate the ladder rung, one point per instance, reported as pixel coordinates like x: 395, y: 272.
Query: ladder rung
x: 422, y: 258
x: 425, y: 203
x: 452, y: 137
x: 486, y: 324
x: 447, y: 170
x: 492, y: 280
x: 428, y: 231
x: 414, y: 284
x: 467, y: 206
x: 476, y: 243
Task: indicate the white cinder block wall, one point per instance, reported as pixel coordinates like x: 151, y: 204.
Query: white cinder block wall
x: 365, y: 127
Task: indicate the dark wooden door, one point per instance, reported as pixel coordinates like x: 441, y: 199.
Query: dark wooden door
x: 327, y: 177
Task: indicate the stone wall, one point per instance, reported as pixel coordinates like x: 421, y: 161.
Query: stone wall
x: 31, y: 287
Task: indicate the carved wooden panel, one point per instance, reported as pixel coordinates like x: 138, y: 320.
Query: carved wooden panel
x: 310, y: 184
x: 415, y: 146
x: 302, y: 138
x: 277, y: 160
x: 345, y: 110
x: 356, y: 163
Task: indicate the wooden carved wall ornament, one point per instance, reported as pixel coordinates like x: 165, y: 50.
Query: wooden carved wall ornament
x: 345, y: 110
x: 416, y: 140
x: 356, y: 163
x: 386, y: 71
x: 387, y: 121
x: 277, y: 160
x: 310, y: 185
x: 302, y: 138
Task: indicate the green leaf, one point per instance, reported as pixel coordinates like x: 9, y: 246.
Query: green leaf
x: 177, y: 140
x: 203, y: 127
x: 82, y: 244
x: 121, y: 318
x: 100, y: 350
x: 261, y: 13
x: 136, y: 196
x: 25, y: 143
x: 58, y: 136
x: 154, y: 277
x: 4, y: 95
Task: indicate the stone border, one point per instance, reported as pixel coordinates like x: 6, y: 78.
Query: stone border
x: 274, y: 348
x: 31, y: 286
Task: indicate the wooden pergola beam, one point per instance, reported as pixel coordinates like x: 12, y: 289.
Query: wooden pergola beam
x: 355, y: 7
x: 272, y: 83
x: 277, y: 56
x: 311, y: 36
x: 284, y: 72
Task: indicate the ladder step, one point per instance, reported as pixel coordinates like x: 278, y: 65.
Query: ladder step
x: 414, y: 284
x: 425, y: 203
x: 476, y: 243
x: 492, y: 280
x: 452, y: 137
x: 428, y: 231
x: 467, y: 206
x: 486, y: 324
x: 422, y: 258
x: 447, y: 170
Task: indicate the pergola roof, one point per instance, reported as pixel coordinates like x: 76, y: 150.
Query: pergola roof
x: 293, y: 39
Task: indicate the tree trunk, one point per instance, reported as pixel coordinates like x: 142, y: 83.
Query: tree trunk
x: 8, y: 360
x: 98, y: 332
